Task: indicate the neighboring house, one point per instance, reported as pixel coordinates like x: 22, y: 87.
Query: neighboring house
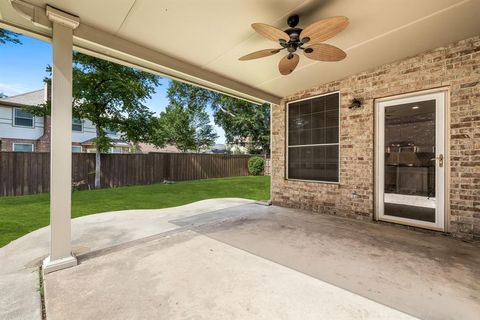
x: 21, y: 131
x: 119, y: 146
x: 148, y: 147
x: 218, y: 148
x: 237, y: 149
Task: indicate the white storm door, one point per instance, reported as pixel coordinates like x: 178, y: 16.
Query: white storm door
x: 410, y: 160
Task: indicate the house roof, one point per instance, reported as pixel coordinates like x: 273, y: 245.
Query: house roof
x: 147, y: 148
x: 115, y: 142
x: 31, y: 98
x: 206, y: 38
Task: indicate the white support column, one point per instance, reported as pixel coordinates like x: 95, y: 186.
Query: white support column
x: 61, y: 142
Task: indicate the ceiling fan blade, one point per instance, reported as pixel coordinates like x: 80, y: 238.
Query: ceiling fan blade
x: 324, y: 52
x: 324, y: 29
x: 286, y: 65
x: 270, y: 32
x: 259, y: 54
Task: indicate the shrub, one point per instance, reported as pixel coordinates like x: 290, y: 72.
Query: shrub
x: 256, y: 165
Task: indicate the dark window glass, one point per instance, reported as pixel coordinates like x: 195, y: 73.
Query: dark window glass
x: 77, y: 125
x: 24, y: 122
x: 23, y: 118
x: 313, y: 139
x: 23, y: 147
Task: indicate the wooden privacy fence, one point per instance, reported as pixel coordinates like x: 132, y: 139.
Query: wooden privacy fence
x: 29, y: 173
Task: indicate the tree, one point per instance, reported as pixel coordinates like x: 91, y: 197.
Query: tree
x: 187, y: 129
x: 2, y: 95
x: 112, y: 97
x: 205, y: 134
x: 190, y: 97
x: 9, y: 36
x: 244, y: 123
x: 185, y: 123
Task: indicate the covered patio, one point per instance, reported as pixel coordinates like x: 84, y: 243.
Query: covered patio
x: 237, y: 259
x: 233, y: 259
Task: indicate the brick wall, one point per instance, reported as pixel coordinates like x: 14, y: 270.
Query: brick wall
x: 7, y: 144
x: 268, y: 167
x: 43, y: 143
x: 456, y: 67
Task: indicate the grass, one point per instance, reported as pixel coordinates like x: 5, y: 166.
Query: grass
x: 23, y: 214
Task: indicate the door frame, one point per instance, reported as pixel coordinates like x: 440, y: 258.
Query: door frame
x: 441, y: 187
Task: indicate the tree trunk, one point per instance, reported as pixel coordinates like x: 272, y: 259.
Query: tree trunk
x: 98, y: 164
x: 97, y: 169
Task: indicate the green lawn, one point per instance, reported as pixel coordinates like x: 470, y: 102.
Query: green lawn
x: 23, y: 214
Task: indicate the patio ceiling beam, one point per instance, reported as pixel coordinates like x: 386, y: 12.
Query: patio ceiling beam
x: 61, y: 142
x: 108, y: 46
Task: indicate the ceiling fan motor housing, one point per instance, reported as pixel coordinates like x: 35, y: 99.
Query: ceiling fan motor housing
x: 294, y: 33
x: 294, y: 43
x: 293, y: 20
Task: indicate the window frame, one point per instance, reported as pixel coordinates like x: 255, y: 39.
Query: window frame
x: 287, y: 146
x: 81, y: 123
x: 22, y: 143
x: 14, y: 116
x: 75, y: 146
x: 115, y: 147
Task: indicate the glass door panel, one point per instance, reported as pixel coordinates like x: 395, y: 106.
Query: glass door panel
x: 409, y: 147
x: 410, y: 163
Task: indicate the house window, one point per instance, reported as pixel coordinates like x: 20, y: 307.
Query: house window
x: 110, y: 131
x: 116, y: 150
x: 22, y: 147
x: 23, y: 118
x: 76, y: 149
x: 313, y: 138
x: 77, y: 125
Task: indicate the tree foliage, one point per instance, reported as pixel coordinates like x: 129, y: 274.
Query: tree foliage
x: 244, y: 123
x: 185, y: 123
x: 189, y: 96
x: 112, y: 96
x: 9, y: 36
x: 187, y: 129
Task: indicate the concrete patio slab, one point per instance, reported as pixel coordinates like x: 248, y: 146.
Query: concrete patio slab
x: 19, y: 282
x: 259, y: 262
x: 425, y: 274
x: 190, y: 276
x: 234, y: 259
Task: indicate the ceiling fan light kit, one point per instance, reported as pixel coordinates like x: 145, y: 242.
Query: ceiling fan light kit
x: 293, y: 39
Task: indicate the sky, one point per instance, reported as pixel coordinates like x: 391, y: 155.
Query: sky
x: 22, y: 69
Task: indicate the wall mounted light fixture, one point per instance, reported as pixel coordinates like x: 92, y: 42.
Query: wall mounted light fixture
x: 356, y: 103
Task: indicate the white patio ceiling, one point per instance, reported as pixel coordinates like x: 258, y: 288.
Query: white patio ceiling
x: 200, y: 41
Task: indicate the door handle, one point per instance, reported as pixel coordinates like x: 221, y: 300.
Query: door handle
x: 440, y: 160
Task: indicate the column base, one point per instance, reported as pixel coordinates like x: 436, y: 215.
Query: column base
x: 59, y: 264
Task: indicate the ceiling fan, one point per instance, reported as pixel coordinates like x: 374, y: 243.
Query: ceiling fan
x: 309, y: 40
